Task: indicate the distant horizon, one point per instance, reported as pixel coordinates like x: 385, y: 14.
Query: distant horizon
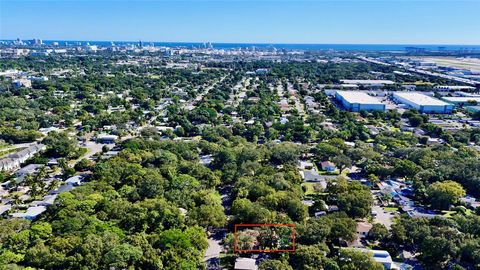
x: 244, y: 42
x: 366, y: 22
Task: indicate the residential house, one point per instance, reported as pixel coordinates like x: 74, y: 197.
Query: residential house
x: 74, y: 180
x: 32, y: 213
x: 305, y: 165
x: 380, y: 256
x: 310, y: 176
x: 4, y: 209
x: 30, y: 169
x: 245, y: 264
x: 106, y: 138
x: 13, y: 161
x: 62, y: 189
x: 328, y: 166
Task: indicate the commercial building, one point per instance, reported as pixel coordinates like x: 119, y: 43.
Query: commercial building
x: 454, y: 88
x: 466, y: 94
x: 423, y: 103
x: 368, y: 83
x: 356, y: 101
x: 459, y: 101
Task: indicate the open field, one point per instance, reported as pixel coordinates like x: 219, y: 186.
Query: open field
x: 461, y: 63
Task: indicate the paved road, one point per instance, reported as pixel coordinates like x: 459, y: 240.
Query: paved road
x: 385, y: 218
x: 212, y: 254
x: 93, y: 148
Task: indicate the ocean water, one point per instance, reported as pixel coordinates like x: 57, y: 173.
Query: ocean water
x: 340, y: 47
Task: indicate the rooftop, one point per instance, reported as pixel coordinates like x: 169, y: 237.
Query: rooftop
x: 420, y: 99
x: 30, y: 168
x: 32, y: 212
x: 454, y: 87
x: 367, y: 82
x: 462, y: 99
x: 245, y: 264
x: 358, y: 97
x: 381, y: 256
x: 4, y: 208
x: 74, y: 180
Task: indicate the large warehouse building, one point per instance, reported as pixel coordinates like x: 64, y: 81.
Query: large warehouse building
x: 462, y: 100
x: 423, y: 103
x: 356, y: 101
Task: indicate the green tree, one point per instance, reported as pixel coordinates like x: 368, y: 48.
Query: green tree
x: 437, y: 251
x: 274, y: 265
x: 310, y: 258
x: 443, y: 194
x: 84, y: 165
x: 315, y: 231
x: 60, y: 145
x: 378, y: 232
x: 350, y: 259
x: 356, y: 201
x: 123, y: 256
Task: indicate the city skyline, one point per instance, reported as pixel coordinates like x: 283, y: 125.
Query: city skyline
x: 268, y: 22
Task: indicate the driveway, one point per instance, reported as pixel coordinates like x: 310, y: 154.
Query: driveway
x: 383, y: 217
x: 212, y: 254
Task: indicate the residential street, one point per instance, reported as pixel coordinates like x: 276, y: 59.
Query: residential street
x: 212, y: 254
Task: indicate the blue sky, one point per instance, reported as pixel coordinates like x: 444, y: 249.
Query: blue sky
x: 268, y: 21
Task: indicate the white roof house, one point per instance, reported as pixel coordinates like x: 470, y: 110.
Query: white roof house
x: 380, y: 256
x: 31, y: 213
x: 27, y: 170
x: 14, y: 160
x: 48, y: 200
x: 4, y: 208
x: 245, y: 264
x: 74, y: 180
x: 107, y: 138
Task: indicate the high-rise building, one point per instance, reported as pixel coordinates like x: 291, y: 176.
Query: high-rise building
x: 37, y: 42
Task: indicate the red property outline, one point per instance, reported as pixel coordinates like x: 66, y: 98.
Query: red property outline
x: 263, y: 225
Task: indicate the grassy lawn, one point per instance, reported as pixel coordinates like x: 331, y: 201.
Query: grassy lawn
x: 309, y: 189
x: 336, y: 172
x: 448, y: 214
x: 391, y: 209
